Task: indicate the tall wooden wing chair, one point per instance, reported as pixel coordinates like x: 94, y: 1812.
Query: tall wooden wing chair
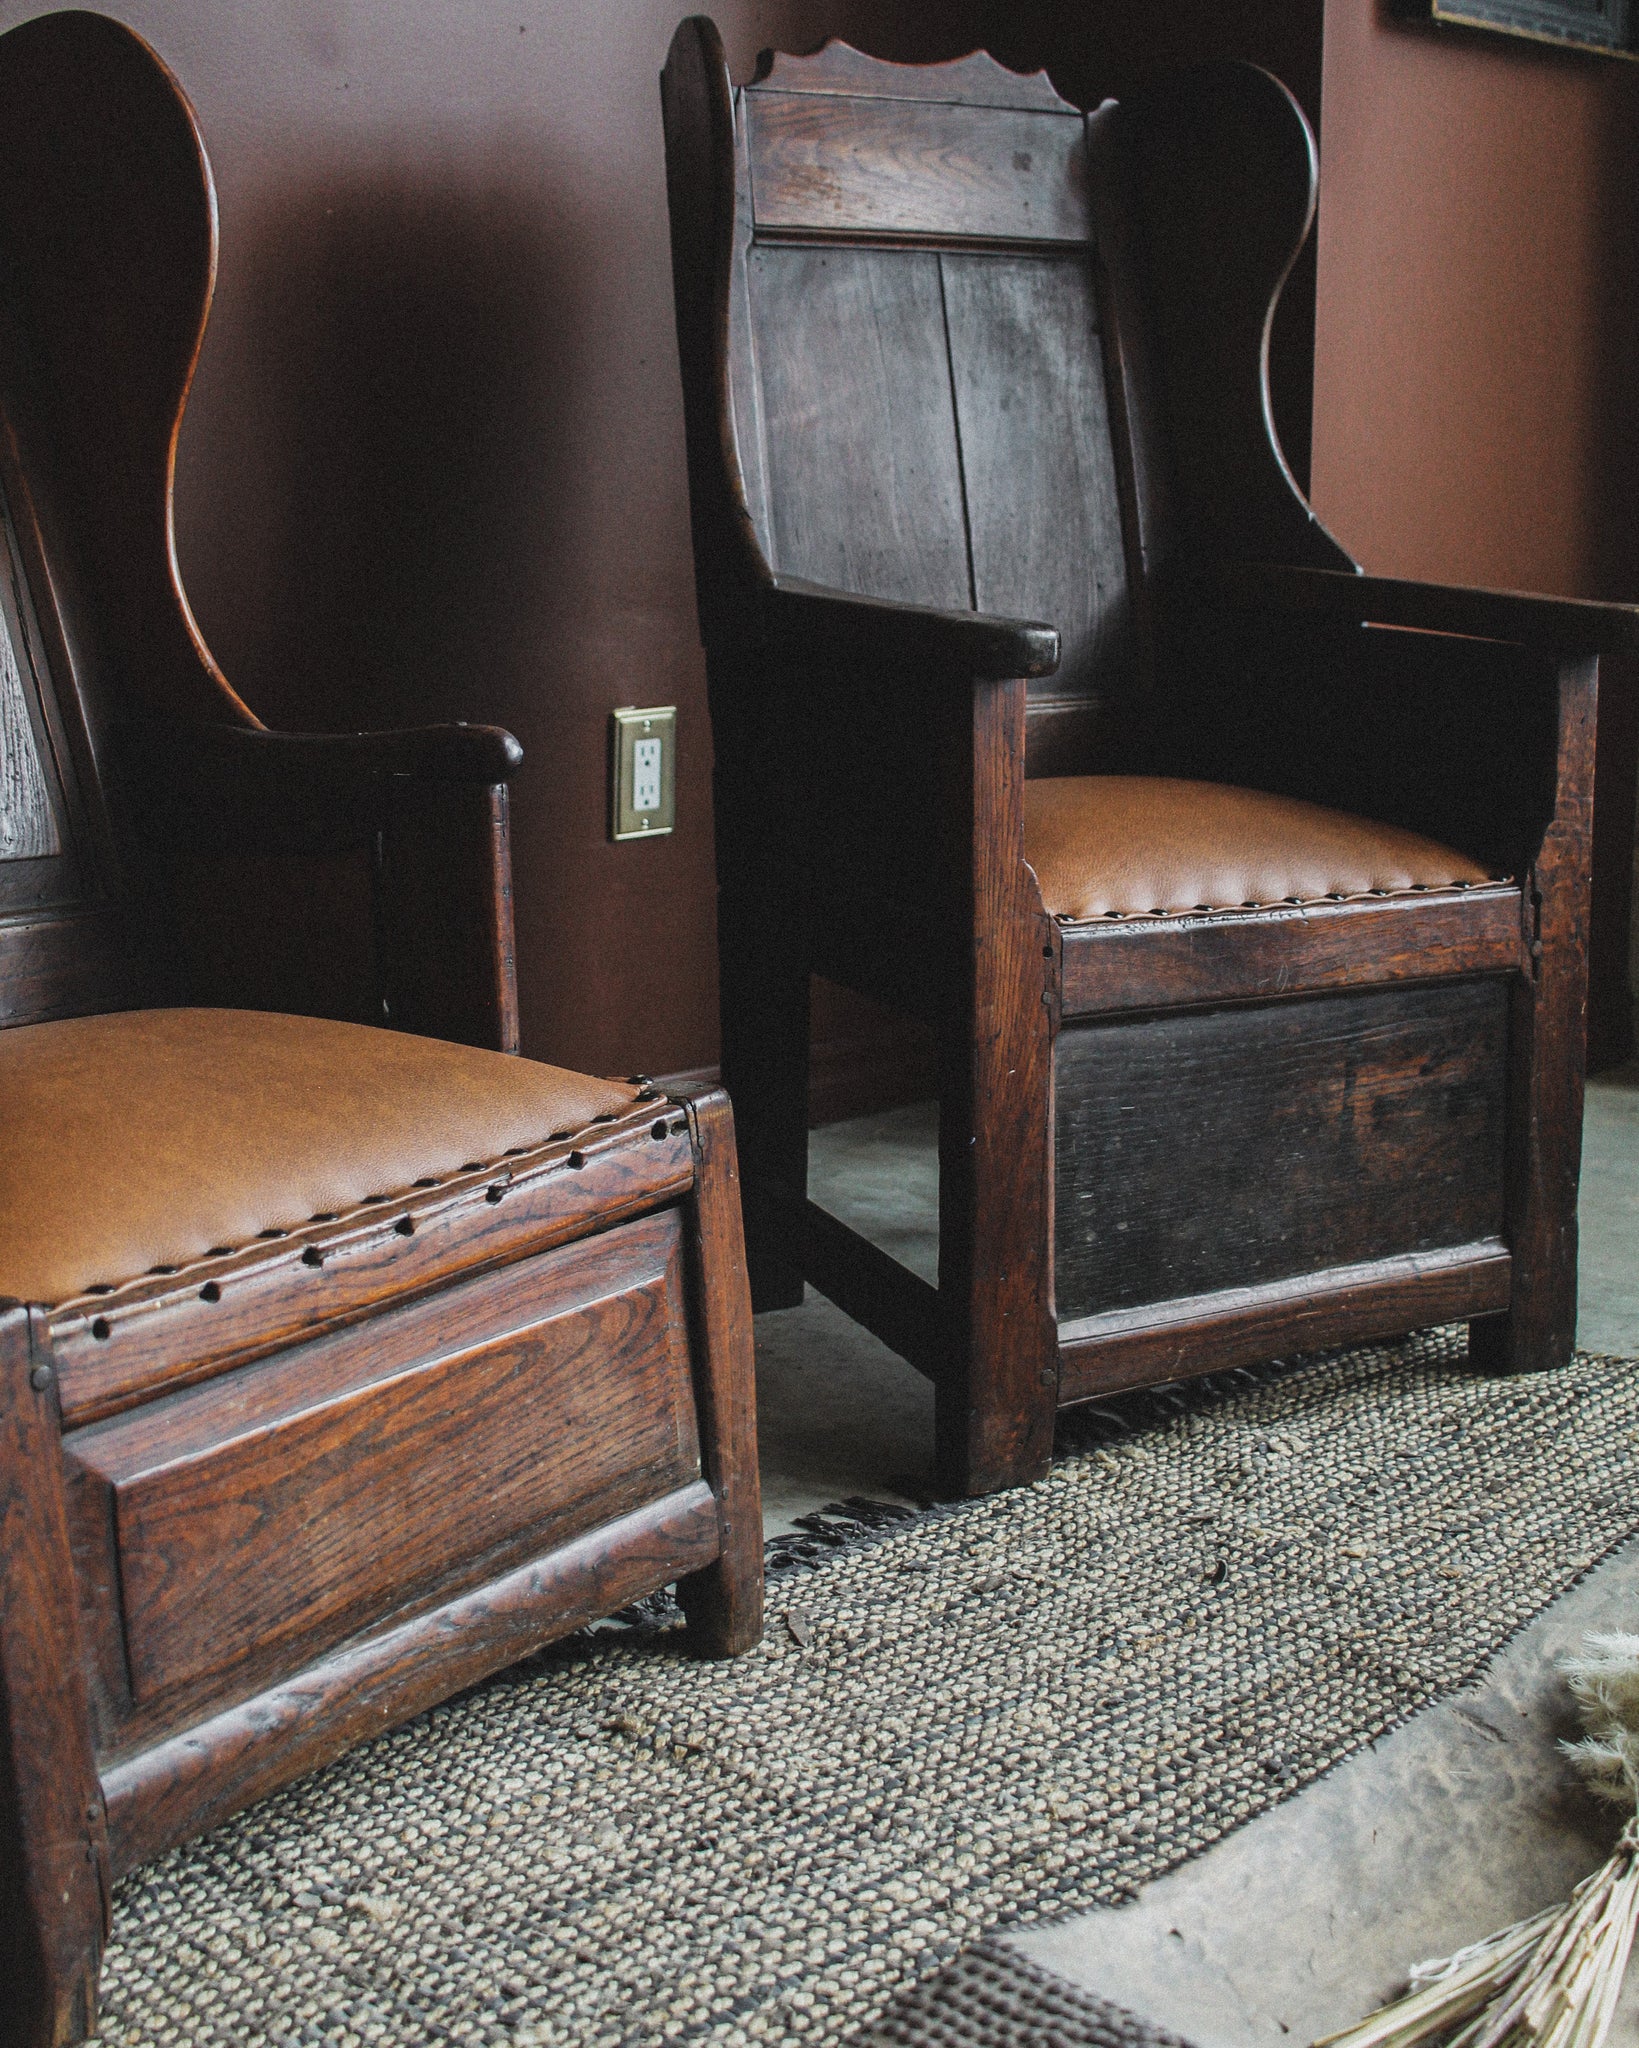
x: 1249, y: 924
x: 339, y: 1365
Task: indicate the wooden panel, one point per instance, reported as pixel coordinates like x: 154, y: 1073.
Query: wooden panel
x: 822, y: 164
x: 194, y: 1779
x: 863, y: 475
x: 1170, y: 1340
x: 1160, y: 963
x: 1044, y: 512
x: 1224, y: 1148
x: 267, y: 1513
x: 28, y: 826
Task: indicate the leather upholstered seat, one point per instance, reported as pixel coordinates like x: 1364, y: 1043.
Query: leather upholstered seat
x: 147, y: 1138
x: 1144, y: 846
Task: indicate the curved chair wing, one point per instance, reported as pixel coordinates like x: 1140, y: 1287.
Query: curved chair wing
x: 108, y: 258
x: 1223, y: 181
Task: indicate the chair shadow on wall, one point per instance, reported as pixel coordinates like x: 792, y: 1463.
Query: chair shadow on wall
x: 400, y: 369
x: 384, y: 407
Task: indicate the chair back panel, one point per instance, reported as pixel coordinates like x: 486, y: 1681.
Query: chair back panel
x: 919, y: 383
x: 822, y: 163
x: 860, y: 452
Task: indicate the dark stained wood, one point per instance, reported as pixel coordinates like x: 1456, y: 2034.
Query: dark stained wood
x: 822, y: 165
x: 1365, y: 1124
x: 1044, y: 514
x: 934, y: 461
x: 724, y: 1603
x: 267, y: 1515
x: 1236, y: 956
x: 28, y: 815
x: 998, y: 1387
x: 865, y: 490
x: 67, y: 945
x: 815, y: 621
x: 426, y: 808
x: 1548, y: 1042
x: 68, y: 964
x: 159, y: 1332
x: 976, y: 80
x: 204, y: 1773
x: 1170, y: 1340
x: 444, y: 914
x: 54, y: 1878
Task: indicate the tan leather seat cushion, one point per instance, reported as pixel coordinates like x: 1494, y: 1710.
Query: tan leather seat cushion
x: 149, y: 1137
x: 1135, y: 845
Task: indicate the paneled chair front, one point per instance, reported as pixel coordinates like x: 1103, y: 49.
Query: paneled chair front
x: 339, y: 1365
x: 1248, y: 924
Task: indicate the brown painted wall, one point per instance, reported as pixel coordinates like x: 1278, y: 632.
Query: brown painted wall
x: 1476, y: 409
x: 1478, y: 321
x: 433, y: 467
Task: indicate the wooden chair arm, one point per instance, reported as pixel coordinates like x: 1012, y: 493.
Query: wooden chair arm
x: 426, y: 812
x: 811, y: 619
x: 276, y: 792
x: 1561, y: 626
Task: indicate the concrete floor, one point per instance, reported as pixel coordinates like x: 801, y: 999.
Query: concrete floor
x: 1452, y: 1826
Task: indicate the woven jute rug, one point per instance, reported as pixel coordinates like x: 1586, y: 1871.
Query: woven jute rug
x: 976, y: 1717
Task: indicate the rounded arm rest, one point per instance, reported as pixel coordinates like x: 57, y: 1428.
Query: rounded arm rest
x: 810, y: 618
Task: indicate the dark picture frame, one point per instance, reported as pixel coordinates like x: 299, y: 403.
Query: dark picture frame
x: 1606, y: 27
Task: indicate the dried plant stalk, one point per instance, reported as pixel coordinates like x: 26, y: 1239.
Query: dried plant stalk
x: 1552, y: 1981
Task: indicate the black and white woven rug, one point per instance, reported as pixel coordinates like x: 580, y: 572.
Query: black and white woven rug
x: 959, y: 1721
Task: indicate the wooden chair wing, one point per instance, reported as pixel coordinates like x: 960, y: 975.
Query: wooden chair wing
x: 139, y: 842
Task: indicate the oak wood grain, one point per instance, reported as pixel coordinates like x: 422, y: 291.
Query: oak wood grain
x: 1210, y: 1148
x: 1236, y: 956
x: 868, y: 167
x: 864, y: 476
x: 1548, y: 1052
x: 261, y: 1517
x: 200, y: 1775
x: 724, y: 1603
x: 54, y: 1873
x: 1038, y: 469
x: 1235, y: 1326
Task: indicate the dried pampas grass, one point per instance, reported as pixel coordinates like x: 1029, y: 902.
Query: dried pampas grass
x: 1553, y: 1981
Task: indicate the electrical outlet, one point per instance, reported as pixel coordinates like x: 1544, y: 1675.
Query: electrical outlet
x: 642, y: 772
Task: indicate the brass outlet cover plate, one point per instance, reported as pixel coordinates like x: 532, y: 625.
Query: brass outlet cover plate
x: 642, y: 772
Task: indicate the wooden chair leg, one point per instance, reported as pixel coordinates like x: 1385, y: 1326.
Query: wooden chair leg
x: 724, y: 1603
x: 997, y: 1396
x: 1548, y: 1033
x: 53, y: 1853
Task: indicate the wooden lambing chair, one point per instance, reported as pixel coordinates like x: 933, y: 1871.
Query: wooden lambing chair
x: 1250, y: 934
x: 339, y: 1366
